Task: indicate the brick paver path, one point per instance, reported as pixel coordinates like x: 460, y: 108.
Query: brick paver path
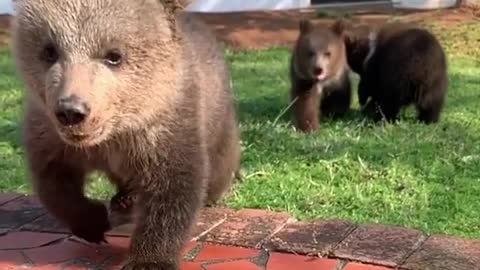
x: 226, y: 239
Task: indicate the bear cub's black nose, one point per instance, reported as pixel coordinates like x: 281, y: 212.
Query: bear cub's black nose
x: 71, y: 110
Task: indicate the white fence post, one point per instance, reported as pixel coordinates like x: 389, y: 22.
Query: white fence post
x: 6, y: 7
x: 244, y: 5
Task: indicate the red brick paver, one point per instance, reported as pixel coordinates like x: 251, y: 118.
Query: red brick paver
x: 379, y: 244
x: 310, y: 237
x: 190, y: 266
x: 225, y: 239
x: 444, y: 252
x: 6, y: 197
x: 218, y: 252
x: 25, y: 240
x: 20, y: 211
x: 12, y: 257
x: 209, y: 219
x: 72, y: 255
x: 279, y: 261
x: 235, y: 265
x: 62, y: 252
x: 247, y: 228
x: 359, y: 266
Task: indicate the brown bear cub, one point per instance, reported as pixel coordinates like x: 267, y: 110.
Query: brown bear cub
x: 398, y: 65
x: 136, y: 89
x: 319, y: 75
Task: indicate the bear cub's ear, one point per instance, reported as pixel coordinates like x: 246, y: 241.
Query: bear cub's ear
x: 305, y: 26
x: 339, y: 27
x: 171, y: 6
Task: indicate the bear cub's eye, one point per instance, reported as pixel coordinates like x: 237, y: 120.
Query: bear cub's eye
x: 113, y: 58
x: 49, y: 54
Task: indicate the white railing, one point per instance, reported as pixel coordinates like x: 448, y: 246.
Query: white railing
x: 245, y: 5
x: 6, y: 7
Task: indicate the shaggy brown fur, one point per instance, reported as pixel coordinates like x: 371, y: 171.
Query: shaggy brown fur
x: 319, y: 75
x: 399, y: 64
x: 135, y: 89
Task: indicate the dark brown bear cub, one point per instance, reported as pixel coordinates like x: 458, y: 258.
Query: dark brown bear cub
x: 319, y: 75
x: 398, y: 65
x: 136, y: 89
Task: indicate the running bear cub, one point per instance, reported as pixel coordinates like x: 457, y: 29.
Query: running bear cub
x: 138, y: 90
x: 319, y: 74
x: 398, y: 65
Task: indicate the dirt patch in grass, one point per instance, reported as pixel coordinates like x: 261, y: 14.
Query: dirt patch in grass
x: 4, y: 30
x: 257, y: 30
x: 254, y: 30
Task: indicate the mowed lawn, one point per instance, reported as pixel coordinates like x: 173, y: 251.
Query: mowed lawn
x: 425, y: 177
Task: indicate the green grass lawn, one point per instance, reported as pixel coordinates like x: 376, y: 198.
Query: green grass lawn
x: 425, y: 177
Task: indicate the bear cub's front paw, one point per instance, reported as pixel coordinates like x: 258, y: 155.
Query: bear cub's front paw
x: 93, y: 224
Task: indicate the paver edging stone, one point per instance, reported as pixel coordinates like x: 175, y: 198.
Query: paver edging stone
x: 379, y: 244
